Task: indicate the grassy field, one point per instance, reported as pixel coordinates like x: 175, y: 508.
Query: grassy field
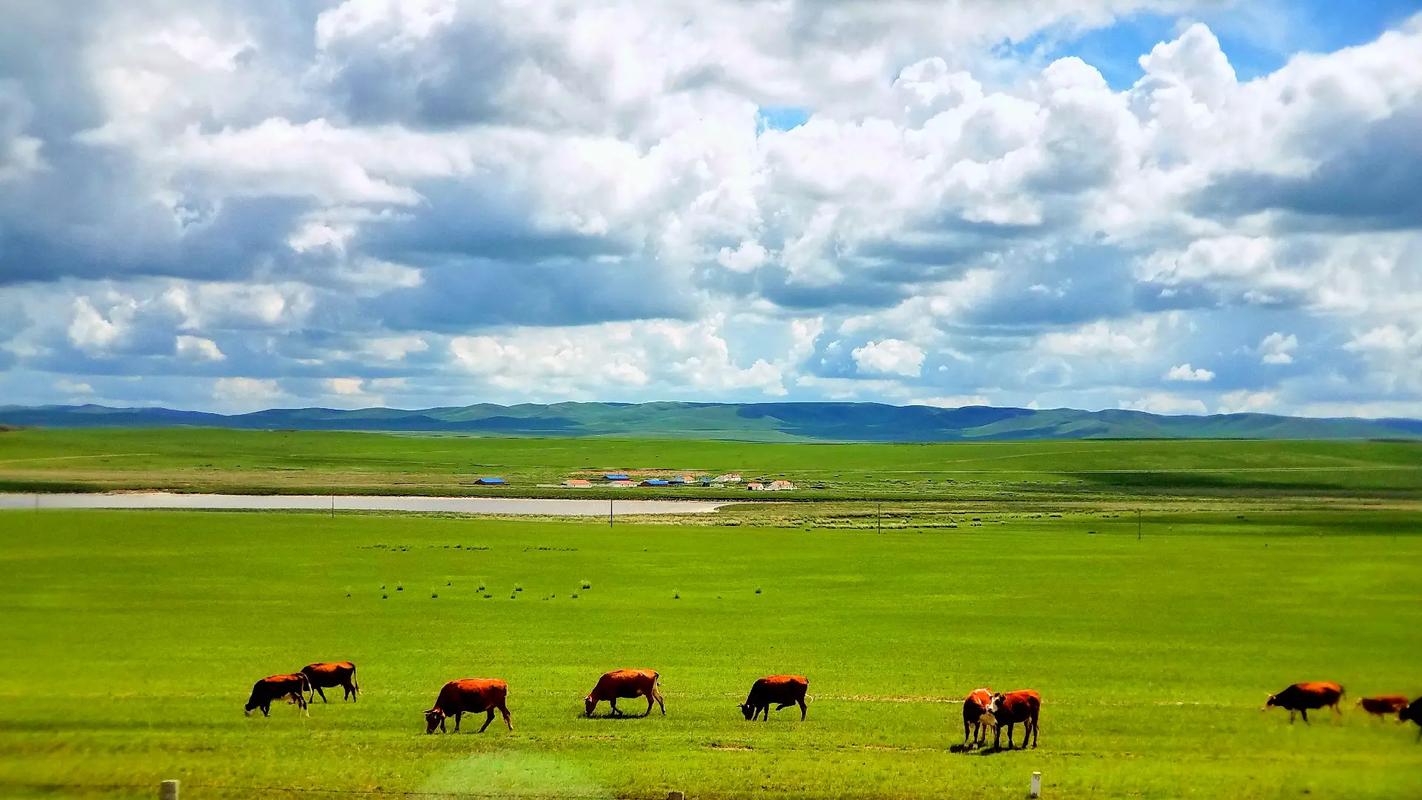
x: 320, y: 462
x: 132, y: 639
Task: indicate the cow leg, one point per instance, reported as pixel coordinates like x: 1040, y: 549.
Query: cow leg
x: 803, y: 709
x: 997, y: 738
x: 487, y: 719
x: 615, y: 711
x: 320, y: 692
x: 1303, y: 712
x: 442, y: 729
x: 657, y: 694
x: 350, y: 691
x: 267, y: 709
x: 504, y: 710
x: 457, y: 716
x: 1010, y: 726
x: 1291, y: 716
x: 651, y: 698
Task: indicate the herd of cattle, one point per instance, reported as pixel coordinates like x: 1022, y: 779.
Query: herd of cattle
x: 983, y: 709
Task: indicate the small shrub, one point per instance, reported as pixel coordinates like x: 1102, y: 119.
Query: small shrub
x: 449, y: 583
x: 676, y: 594
x: 385, y: 597
x: 575, y: 595
x: 587, y: 584
x: 382, y: 587
x: 481, y: 586
x: 488, y: 597
x: 757, y: 590
x: 518, y: 587
x: 513, y: 596
x: 399, y: 587
x: 434, y: 596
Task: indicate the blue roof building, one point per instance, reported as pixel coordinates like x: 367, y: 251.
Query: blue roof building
x: 655, y: 482
x: 490, y: 481
x: 615, y: 476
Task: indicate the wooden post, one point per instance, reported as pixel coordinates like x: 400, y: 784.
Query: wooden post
x: 1036, y: 784
x: 609, y: 512
x: 675, y: 795
x: 333, y: 506
x: 168, y: 790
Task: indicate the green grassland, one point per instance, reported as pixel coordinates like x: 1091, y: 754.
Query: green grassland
x: 132, y: 639
x: 319, y: 462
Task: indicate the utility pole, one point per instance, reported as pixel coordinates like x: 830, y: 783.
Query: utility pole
x: 609, y: 512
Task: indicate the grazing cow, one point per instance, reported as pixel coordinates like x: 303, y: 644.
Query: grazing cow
x: 1024, y: 706
x: 1414, y: 713
x: 276, y: 687
x: 469, y: 696
x: 781, y: 690
x: 975, y: 706
x: 1383, y: 705
x: 625, y: 683
x: 1301, y: 697
x: 324, y: 674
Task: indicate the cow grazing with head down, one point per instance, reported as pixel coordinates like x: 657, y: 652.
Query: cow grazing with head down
x: 469, y: 696
x: 276, y: 687
x: 1024, y: 706
x: 1303, y: 697
x: 782, y: 691
x: 975, y: 706
x: 1383, y: 705
x: 1413, y: 712
x: 625, y: 683
x: 328, y: 675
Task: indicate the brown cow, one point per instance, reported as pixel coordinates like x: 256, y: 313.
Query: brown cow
x: 625, y: 683
x: 975, y: 706
x: 326, y: 674
x: 1301, y: 697
x: 1414, y: 713
x: 1384, y: 704
x: 276, y: 687
x: 782, y: 690
x: 469, y: 696
x: 1023, y: 705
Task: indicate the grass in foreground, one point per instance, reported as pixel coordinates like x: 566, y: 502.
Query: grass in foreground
x: 134, y: 637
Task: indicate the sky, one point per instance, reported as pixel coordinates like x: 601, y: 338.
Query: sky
x: 1163, y: 205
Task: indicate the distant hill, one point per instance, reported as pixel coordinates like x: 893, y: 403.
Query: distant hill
x: 873, y: 422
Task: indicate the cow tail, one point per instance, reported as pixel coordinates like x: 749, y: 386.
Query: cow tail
x: 354, y: 683
x: 310, y: 687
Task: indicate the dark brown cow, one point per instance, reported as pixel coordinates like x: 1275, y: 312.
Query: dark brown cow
x: 625, y: 683
x: 1024, y: 706
x: 469, y: 696
x: 1383, y: 705
x: 276, y: 687
x: 782, y: 691
x: 975, y: 706
x: 1414, y: 713
x: 332, y: 674
x: 1303, y: 697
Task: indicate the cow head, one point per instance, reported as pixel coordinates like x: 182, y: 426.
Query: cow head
x: 1270, y: 703
x: 747, y: 710
x: 247, y: 710
x: 1409, y: 712
x: 588, y: 705
x: 433, y: 718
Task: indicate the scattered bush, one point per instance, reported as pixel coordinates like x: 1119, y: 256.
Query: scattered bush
x: 434, y: 596
x: 575, y: 595
x: 757, y: 590
x: 385, y: 597
x: 587, y: 584
x: 518, y: 587
x: 399, y: 587
x: 481, y: 586
x: 676, y: 594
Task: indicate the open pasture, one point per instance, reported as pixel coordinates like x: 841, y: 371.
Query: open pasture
x: 133, y: 638
x: 304, y: 462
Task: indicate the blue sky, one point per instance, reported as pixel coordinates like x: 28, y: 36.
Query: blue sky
x: 1174, y: 206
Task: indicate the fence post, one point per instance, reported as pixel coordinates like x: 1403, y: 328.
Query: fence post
x: 168, y: 790
x: 675, y: 795
x: 1036, y: 784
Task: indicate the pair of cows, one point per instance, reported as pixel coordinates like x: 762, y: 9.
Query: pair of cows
x: 1302, y: 698
x: 984, y: 709
x: 312, y: 679
x: 487, y: 695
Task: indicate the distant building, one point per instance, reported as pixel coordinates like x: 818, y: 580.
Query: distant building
x: 490, y: 481
x: 655, y: 482
x: 729, y: 477
x: 621, y: 484
x: 755, y: 486
x: 576, y: 483
x: 615, y: 476
x: 676, y: 480
x: 779, y: 486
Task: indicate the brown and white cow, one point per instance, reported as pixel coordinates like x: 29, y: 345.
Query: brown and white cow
x: 275, y: 687
x: 1383, y: 705
x: 975, y: 706
x: 782, y: 691
x: 332, y: 674
x: 625, y: 683
x: 1024, y: 706
x: 469, y: 696
x: 1303, y: 697
x: 1413, y: 712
